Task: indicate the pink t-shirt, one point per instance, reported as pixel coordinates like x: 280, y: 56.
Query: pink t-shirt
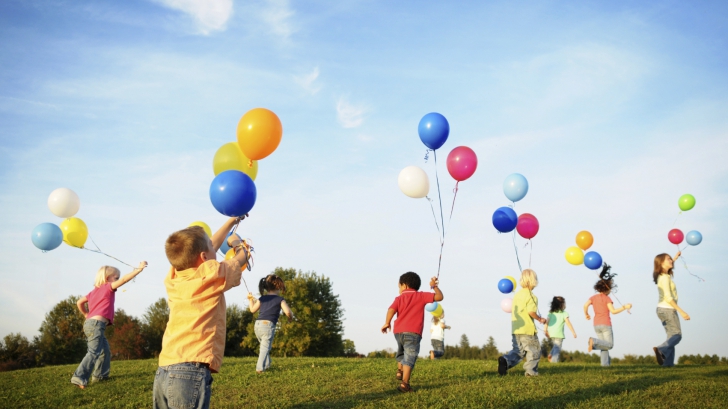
x: 601, y: 310
x: 101, y: 302
x: 410, y: 309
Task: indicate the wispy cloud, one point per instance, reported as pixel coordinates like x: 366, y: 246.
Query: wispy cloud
x: 278, y: 17
x: 209, y: 15
x: 308, y: 81
x: 349, y: 115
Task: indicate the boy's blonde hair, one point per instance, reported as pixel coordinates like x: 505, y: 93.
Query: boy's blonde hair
x: 103, y: 275
x: 184, y: 246
x: 529, y: 279
x: 435, y: 320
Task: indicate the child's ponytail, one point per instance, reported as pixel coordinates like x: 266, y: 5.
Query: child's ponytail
x: 262, y: 288
x: 271, y: 282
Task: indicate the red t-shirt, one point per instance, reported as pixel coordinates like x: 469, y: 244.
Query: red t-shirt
x: 101, y: 302
x: 601, y: 311
x: 410, y: 309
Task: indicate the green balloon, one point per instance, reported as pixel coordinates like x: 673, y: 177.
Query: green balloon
x: 686, y: 202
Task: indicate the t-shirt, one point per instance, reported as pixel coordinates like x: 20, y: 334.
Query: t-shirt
x: 667, y: 291
x: 601, y: 310
x: 523, y: 303
x: 556, y: 323
x: 101, y: 302
x: 270, y: 308
x: 410, y: 309
x: 437, y: 331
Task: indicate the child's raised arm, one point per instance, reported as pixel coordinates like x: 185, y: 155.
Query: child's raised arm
x: 617, y: 311
x: 221, y: 233
x: 570, y: 327
x: 434, y: 285
x: 123, y: 280
x: 81, y: 304
x: 586, y: 309
x: 253, y: 303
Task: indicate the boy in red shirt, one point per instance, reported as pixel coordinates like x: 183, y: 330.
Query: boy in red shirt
x: 410, y: 309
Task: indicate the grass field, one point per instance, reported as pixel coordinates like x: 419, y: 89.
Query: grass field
x: 369, y: 383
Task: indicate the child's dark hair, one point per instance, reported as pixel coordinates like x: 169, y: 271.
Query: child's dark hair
x: 271, y: 282
x: 606, y: 280
x: 411, y: 280
x: 558, y: 304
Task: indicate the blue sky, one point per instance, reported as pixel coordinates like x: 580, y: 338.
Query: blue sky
x: 612, y: 110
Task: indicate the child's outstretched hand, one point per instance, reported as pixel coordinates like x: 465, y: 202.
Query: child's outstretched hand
x: 142, y: 265
x: 385, y: 328
x: 250, y: 296
x: 434, y: 282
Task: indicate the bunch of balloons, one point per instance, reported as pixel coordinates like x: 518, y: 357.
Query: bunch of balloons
x: 505, y: 218
x: 235, y: 164
x: 507, y: 285
x: 64, y: 203
x: 575, y: 254
x: 676, y: 236
x: 435, y: 309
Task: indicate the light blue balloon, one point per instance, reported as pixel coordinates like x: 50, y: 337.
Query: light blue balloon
x: 515, y: 187
x: 47, y: 236
x: 694, y: 238
x: 431, y: 307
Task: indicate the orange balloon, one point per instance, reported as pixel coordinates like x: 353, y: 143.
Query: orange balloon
x: 259, y: 133
x: 584, y: 240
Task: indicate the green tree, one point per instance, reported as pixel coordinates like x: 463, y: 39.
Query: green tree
x: 61, y: 339
x: 237, y: 321
x: 154, y: 324
x: 349, y: 348
x: 490, y: 350
x: 125, y: 337
x: 16, y: 352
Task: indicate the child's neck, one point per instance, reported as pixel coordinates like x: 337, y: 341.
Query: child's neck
x: 276, y: 292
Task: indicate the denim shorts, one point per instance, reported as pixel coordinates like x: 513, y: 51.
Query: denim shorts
x: 408, y: 347
x: 183, y: 386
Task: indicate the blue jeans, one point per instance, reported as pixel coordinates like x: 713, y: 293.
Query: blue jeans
x: 98, y: 356
x: 438, y: 347
x: 671, y: 322
x: 525, y: 347
x: 604, y: 342
x: 408, y: 347
x: 182, y: 386
x: 556, y: 350
x: 264, y: 331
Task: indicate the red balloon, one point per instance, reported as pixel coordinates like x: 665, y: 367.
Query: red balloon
x: 675, y: 236
x: 527, y: 225
x: 461, y: 163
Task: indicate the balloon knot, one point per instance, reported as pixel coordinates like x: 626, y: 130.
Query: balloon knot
x: 250, y: 163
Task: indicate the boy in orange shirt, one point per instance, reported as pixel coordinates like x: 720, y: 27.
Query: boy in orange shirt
x: 194, y: 341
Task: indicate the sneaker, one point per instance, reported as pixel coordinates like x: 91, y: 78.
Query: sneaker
x: 502, y: 366
x: 658, y: 355
x: 528, y: 375
x: 591, y: 345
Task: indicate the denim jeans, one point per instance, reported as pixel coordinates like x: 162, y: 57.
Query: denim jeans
x: 525, y: 347
x: 671, y: 322
x: 556, y: 350
x: 182, y: 386
x: 408, y: 347
x: 604, y: 342
x: 98, y: 356
x: 438, y: 347
x: 264, y: 331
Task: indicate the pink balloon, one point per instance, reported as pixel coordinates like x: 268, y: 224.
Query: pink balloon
x: 675, y: 236
x: 461, y: 163
x: 507, y: 305
x: 527, y: 225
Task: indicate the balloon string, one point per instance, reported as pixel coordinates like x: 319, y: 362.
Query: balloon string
x: 520, y: 269
x: 688, y: 270
x: 434, y: 217
x: 678, y: 215
x: 98, y: 250
x: 455, y: 194
x: 530, y: 252
x: 613, y: 292
x: 442, y: 218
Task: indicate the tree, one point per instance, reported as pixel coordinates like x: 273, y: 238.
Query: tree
x: 125, y: 337
x: 61, y: 339
x: 153, y: 326
x: 16, y: 352
x: 490, y: 350
x: 237, y: 321
x: 546, y: 346
x: 349, y: 348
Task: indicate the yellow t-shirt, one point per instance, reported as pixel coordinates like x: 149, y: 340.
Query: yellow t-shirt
x: 196, y: 327
x: 667, y: 290
x: 523, y: 303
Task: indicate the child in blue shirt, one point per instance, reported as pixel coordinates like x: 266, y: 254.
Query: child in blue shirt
x: 270, y: 306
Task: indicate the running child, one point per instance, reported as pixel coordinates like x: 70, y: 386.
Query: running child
x: 437, y: 336
x: 270, y: 305
x: 555, y: 330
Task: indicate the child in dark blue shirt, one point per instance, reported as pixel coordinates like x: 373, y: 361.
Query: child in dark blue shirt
x: 270, y: 305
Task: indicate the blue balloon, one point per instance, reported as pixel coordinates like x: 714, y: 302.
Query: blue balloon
x: 233, y: 193
x: 505, y: 219
x: 505, y: 286
x: 431, y: 307
x: 47, y: 236
x: 694, y: 238
x: 224, y: 247
x: 433, y: 130
x: 515, y: 187
x: 593, y: 260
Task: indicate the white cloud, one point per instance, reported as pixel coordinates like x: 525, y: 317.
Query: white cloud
x: 307, y: 82
x: 350, y: 116
x: 209, y: 15
x: 277, y: 15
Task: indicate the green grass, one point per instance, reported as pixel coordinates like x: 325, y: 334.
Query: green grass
x: 370, y: 383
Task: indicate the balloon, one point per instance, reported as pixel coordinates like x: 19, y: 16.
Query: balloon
x: 686, y: 202
x: 513, y: 280
x: 438, y: 311
x: 515, y: 187
x: 592, y: 260
x: 224, y: 247
x: 233, y: 193
x: 230, y: 254
x: 675, y: 236
x: 433, y: 130
x: 74, y: 231
x: 505, y: 219
x: 230, y: 157
x: 527, y: 225
x: 259, y: 133
x: 694, y: 238
x: 431, y: 306
x: 47, y: 236
x: 64, y: 202
x: 461, y: 163
x: 574, y: 255
x: 413, y: 182
x: 204, y: 226
x: 507, y: 305
x: 505, y: 286
x: 584, y: 240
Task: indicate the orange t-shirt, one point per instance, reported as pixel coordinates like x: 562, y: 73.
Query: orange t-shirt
x: 196, y: 327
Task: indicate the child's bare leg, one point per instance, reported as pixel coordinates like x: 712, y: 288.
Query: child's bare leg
x: 406, y: 372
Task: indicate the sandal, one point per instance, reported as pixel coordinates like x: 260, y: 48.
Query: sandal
x: 405, y: 387
x: 399, y: 374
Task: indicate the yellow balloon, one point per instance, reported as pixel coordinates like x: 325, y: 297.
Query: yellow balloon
x: 438, y: 311
x: 74, y: 231
x: 574, y: 255
x: 513, y: 280
x: 230, y: 254
x: 230, y: 157
x: 204, y: 227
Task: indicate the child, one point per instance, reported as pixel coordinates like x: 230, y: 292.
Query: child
x: 524, y: 338
x: 555, y: 330
x: 99, y: 313
x: 194, y: 340
x: 410, y: 309
x: 270, y: 306
x: 667, y: 309
x: 437, y: 336
x: 602, y: 307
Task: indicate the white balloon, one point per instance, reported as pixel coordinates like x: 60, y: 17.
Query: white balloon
x: 64, y: 202
x: 507, y: 305
x: 413, y: 182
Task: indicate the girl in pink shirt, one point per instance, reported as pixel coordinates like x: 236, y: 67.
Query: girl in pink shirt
x: 603, y: 305
x: 98, y: 308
